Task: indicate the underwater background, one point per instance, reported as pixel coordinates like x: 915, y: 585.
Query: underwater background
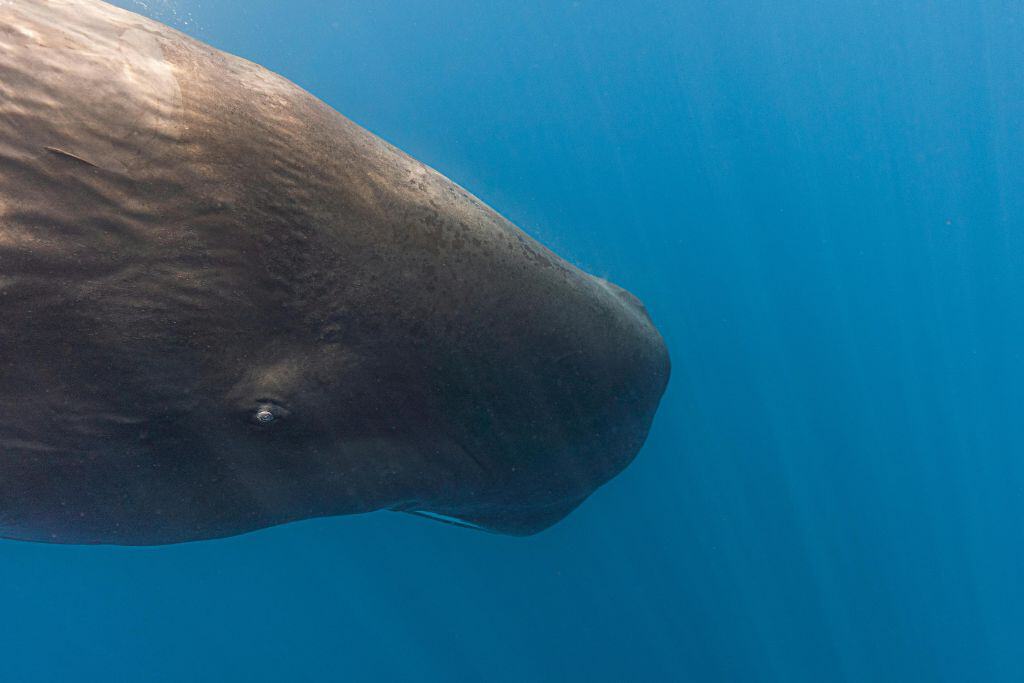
x: 821, y: 205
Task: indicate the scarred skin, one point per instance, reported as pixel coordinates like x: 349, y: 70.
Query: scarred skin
x: 224, y: 306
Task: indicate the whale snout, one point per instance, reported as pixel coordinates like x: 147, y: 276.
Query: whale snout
x: 588, y: 380
x: 630, y: 299
x: 641, y: 361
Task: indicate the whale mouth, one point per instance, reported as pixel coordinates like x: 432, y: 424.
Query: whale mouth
x: 512, y: 520
x: 447, y: 519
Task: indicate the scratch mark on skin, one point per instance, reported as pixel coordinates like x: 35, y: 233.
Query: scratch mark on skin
x: 69, y: 155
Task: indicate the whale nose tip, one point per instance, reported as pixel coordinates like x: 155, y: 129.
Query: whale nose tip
x: 645, y: 363
x: 628, y: 298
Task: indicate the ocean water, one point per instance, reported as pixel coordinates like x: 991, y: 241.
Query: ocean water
x: 821, y: 204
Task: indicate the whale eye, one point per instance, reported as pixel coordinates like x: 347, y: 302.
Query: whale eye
x: 268, y: 413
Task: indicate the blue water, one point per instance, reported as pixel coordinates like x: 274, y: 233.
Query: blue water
x: 821, y: 204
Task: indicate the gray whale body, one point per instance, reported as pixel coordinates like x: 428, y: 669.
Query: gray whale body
x: 225, y: 306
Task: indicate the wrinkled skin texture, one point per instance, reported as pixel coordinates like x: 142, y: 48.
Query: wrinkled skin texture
x: 225, y: 306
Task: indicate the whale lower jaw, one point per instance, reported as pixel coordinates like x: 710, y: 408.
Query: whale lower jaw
x: 447, y: 519
x: 522, y: 522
